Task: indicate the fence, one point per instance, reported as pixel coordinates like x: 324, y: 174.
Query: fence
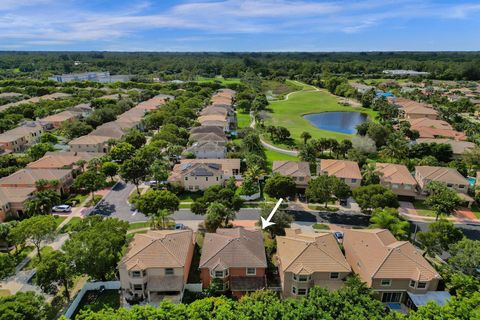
x: 109, y: 285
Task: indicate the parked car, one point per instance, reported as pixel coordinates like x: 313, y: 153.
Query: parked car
x: 343, y: 202
x: 62, y: 208
x: 179, y: 226
x: 151, y: 183
x: 338, y: 235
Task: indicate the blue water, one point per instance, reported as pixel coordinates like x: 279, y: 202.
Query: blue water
x: 343, y: 122
x: 472, y: 180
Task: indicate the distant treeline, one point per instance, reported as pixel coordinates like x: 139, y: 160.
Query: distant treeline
x: 186, y: 66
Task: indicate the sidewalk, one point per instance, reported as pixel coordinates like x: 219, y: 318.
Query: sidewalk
x: 408, y: 211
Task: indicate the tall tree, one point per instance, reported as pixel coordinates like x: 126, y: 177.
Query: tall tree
x: 105, y: 238
x: 55, y: 269
x: 442, y: 199
x: 36, y: 229
x: 375, y: 196
x: 278, y: 186
x: 305, y: 135
x: 90, y: 181
x: 42, y: 203
x: 23, y: 306
x: 440, y: 235
x: 135, y: 170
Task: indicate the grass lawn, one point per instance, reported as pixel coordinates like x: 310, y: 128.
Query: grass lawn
x: 59, y: 219
x: 289, y: 113
x: 278, y: 89
x: 96, y: 301
x: 273, y: 156
x: 138, y: 225
x: 73, y: 222
x: 422, y: 209
x: 185, y: 205
x: 189, y: 196
x: 222, y: 80
x: 320, y: 226
x: 243, y: 120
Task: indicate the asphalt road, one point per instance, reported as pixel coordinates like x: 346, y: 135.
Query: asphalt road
x: 115, y: 205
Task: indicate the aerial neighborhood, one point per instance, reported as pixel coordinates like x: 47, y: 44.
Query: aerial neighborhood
x: 260, y: 191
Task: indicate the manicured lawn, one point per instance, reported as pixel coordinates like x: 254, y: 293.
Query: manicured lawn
x: 222, y: 80
x: 422, y: 209
x: 243, y: 120
x: 289, y: 113
x: 96, y: 301
x: 320, y: 226
x: 138, y: 225
x: 277, y: 89
x: 274, y: 156
x: 189, y: 196
x: 476, y: 210
x: 59, y: 219
x: 73, y: 222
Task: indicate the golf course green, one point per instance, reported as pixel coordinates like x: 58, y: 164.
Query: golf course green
x: 290, y: 111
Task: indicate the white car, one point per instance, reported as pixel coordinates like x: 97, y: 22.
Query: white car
x: 62, y: 208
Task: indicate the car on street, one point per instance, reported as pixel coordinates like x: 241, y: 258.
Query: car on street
x: 62, y: 208
x: 338, y: 235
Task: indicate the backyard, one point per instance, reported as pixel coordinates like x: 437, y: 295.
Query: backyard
x: 289, y: 113
x: 96, y: 301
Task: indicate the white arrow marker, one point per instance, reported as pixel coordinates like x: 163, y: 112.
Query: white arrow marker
x: 267, y: 223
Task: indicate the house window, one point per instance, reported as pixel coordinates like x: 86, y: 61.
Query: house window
x: 394, y: 186
x: 421, y: 285
x: 449, y: 185
x: 206, y: 178
x: 354, y: 180
x: 407, y: 187
x: 294, y: 290
x: 217, y: 178
x: 218, y: 274
x: 251, y: 271
x: 169, y: 271
x: 137, y: 287
x: 334, y: 275
x: 136, y: 274
x: 186, y: 178
x: 301, y: 277
x: 301, y: 178
x: 302, y: 292
x: 386, y: 282
x: 461, y: 186
x: 412, y: 283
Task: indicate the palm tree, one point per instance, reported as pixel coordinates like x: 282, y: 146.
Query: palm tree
x: 255, y: 172
x: 388, y: 219
x: 332, y: 145
x: 81, y: 163
x: 305, y: 136
x: 370, y: 175
x: 161, y: 219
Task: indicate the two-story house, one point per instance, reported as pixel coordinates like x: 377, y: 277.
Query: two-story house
x: 346, y: 170
x: 298, y: 171
x: 61, y: 179
x: 156, y: 265
x: 199, y: 174
x: 307, y: 259
x: 235, y: 259
x: 393, y: 269
x: 397, y: 178
x: 208, y: 150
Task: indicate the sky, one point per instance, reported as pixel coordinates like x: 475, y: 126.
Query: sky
x: 240, y: 25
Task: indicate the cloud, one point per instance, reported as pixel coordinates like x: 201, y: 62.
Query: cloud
x: 54, y: 23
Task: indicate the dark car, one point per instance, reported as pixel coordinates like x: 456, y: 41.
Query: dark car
x: 338, y: 235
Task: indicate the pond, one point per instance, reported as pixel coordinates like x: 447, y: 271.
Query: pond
x: 342, y: 122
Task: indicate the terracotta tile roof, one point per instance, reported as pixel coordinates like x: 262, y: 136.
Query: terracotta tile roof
x: 19, y: 132
x: 458, y: 147
x: 59, y: 160
x: 340, y: 168
x: 203, y: 167
x: 441, y: 174
x: 425, y: 122
x: 212, y: 117
x: 30, y: 176
x: 222, y: 112
x: 395, y: 173
x: 15, y: 195
x: 208, y: 129
x: 427, y: 132
x: 233, y: 248
x: 206, y: 146
x: 413, y: 107
x: 88, y: 139
x: 111, y: 130
x: 208, y: 137
x: 379, y: 255
x: 308, y: 252
x: 292, y: 168
x: 61, y: 116
x: 158, y: 249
